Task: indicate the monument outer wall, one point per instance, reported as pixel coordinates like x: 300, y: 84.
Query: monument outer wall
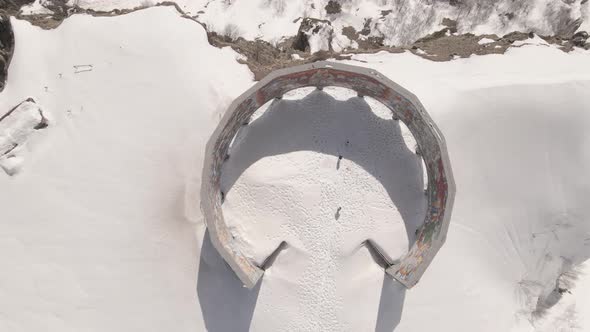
x: 404, y: 106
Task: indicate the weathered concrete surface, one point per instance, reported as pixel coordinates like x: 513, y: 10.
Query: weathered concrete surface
x: 367, y: 82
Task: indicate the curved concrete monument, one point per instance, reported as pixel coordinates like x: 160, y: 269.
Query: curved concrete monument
x: 366, y: 82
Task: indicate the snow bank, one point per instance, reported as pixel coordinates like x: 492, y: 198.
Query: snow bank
x: 16, y: 128
x: 93, y: 228
x: 520, y: 222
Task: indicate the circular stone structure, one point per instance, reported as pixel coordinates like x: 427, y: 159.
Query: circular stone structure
x: 404, y: 106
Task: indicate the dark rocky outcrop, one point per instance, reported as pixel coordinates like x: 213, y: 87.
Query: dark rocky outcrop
x: 308, y: 26
x: 333, y: 7
x: 6, y: 48
x: 451, y: 24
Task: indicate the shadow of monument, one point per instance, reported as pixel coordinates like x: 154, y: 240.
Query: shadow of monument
x: 391, y: 305
x: 225, y: 303
x: 347, y: 129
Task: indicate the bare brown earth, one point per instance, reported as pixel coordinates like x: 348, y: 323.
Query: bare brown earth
x: 263, y: 57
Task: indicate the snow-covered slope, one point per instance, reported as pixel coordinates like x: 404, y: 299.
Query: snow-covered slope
x: 96, y: 226
x: 397, y: 22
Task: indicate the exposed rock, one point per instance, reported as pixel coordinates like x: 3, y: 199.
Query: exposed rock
x: 263, y: 57
x: 564, y: 282
x: 514, y: 36
x: 451, y: 24
x: 508, y: 16
x: 366, y: 43
x: 435, y: 35
x: 6, y: 48
x: 308, y: 28
x: 333, y: 7
x: 13, y: 6
x: 443, y: 46
x: 350, y: 32
x: 579, y: 38
x: 60, y: 8
x: 301, y: 42
x: 260, y: 56
x: 16, y: 127
x: 386, y: 12
x: 366, y: 27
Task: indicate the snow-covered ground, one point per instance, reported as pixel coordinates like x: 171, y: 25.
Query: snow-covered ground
x: 398, y: 22
x: 98, y: 228
x: 16, y: 128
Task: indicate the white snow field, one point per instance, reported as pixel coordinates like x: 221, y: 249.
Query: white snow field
x: 98, y: 227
